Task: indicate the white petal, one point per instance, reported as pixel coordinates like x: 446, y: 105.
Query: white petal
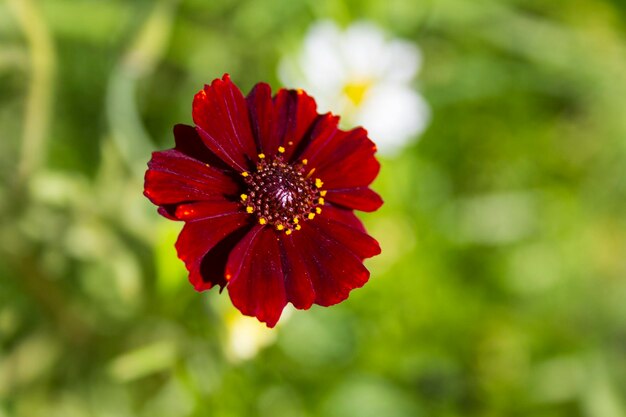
x: 393, y: 115
x: 363, y: 46
x: 321, y: 59
x: 402, y: 61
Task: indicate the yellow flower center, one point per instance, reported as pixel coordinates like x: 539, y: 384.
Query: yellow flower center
x: 356, y: 90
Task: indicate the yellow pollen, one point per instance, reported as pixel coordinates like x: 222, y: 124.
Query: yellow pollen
x: 244, y: 174
x: 279, y: 227
x: 323, y: 193
x: 243, y: 197
x: 295, y: 220
x: 318, y: 210
x: 311, y: 216
x: 288, y: 232
x: 305, y: 161
x: 320, y: 200
x: 298, y: 227
x: 281, y: 149
x: 250, y: 209
x: 262, y: 221
x: 261, y: 156
x: 318, y: 183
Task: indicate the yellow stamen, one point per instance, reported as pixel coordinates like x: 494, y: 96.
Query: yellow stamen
x: 296, y: 220
x: 320, y: 200
x: 311, y: 216
x: 318, y: 210
x: 305, y: 161
x: 244, y: 174
x: 261, y: 156
x: 250, y: 209
x: 243, y: 197
x: 279, y: 227
x: 262, y: 221
x: 288, y: 232
x: 323, y: 193
x: 318, y: 183
x: 298, y: 227
x: 281, y: 149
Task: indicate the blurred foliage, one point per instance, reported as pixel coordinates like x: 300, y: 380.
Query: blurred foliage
x: 501, y: 286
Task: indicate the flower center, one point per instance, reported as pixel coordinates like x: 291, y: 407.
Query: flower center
x: 282, y: 194
x: 356, y: 91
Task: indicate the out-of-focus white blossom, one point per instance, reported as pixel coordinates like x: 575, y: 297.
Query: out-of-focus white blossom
x: 246, y: 336
x: 363, y: 76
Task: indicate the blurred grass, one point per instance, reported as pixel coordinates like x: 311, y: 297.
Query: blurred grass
x: 501, y: 286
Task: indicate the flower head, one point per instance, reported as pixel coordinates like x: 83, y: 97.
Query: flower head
x: 266, y: 187
x: 365, y: 77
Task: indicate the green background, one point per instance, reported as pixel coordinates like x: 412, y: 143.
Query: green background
x: 501, y: 290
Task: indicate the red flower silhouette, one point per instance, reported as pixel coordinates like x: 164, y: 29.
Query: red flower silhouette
x: 267, y: 188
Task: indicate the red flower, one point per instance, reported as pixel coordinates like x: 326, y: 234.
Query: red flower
x: 267, y: 188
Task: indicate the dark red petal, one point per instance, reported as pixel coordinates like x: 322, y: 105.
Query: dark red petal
x: 256, y: 282
x: 360, y: 198
x: 198, y: 238
x: 333, y: 268
x: 168, y: 211
x: 221, y: 117
x: 359, y: 243
x: 297, y: 276
x: 213, y: 264
x: 262, y: 118
x: 346, y: 161
x: 189, y: 142
x: 295, y: 113
x: 282, y: 120
x: 342, y: 215
x: 205, y: 210
x: 324, y: 131
x: 174, y: 178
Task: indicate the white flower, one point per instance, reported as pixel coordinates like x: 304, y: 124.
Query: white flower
x: 363, y: 77
x: 246, y: 336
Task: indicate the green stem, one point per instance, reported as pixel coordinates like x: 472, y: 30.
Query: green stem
x: 40, y: 90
